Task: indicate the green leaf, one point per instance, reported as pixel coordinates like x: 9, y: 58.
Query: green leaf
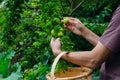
x: 5, y: 59
x: 15, y: 75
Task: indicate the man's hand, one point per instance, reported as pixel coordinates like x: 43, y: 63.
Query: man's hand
x: 78, y: 28
x: 55, y: 45
x: 74, y: 25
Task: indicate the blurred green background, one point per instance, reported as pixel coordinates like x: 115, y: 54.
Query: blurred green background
x: 27, y: 26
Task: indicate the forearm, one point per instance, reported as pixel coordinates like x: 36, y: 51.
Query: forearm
x: 93, y: 58
x: 90, y: 36
x: 83, y: 58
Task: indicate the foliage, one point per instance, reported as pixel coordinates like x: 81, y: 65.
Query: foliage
x: 15, y: 75
x: 5, y: 62
x: 36, y: 73
x: 26, y: 27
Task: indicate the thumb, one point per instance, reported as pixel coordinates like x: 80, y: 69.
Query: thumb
x: 58, y: 39
x: 52, y: 40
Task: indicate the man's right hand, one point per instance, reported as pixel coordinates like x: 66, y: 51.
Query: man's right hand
x: 74, y: 25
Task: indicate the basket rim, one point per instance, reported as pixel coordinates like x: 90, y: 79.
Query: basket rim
x: 52, y: 73
x: 73, y: 77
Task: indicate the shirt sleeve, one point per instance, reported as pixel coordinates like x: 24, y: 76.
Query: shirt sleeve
x: 111, y: 36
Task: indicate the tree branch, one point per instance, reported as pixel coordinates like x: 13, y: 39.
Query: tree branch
x: 77, y: 7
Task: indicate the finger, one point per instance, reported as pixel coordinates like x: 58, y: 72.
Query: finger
x: 58, y: 39
x: 62, y: 21
x: 67, y: 26
x: 71, y: 20
x: 52, y: 40
x: 68, y: 18
x: 71, y: 17
x: 70, y: 28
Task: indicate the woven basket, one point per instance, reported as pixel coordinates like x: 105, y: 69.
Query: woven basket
x: 76, y: 73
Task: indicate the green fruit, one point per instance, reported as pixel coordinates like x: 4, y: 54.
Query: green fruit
x: 33, y: 4
x: 61, y: 29
x: 60, y: 34
x: 57, y: 20
x: 52, y: 32
x: 66, y: 20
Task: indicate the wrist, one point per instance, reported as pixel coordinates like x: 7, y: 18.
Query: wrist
x: 84, y: 31
x: 56, y: 52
